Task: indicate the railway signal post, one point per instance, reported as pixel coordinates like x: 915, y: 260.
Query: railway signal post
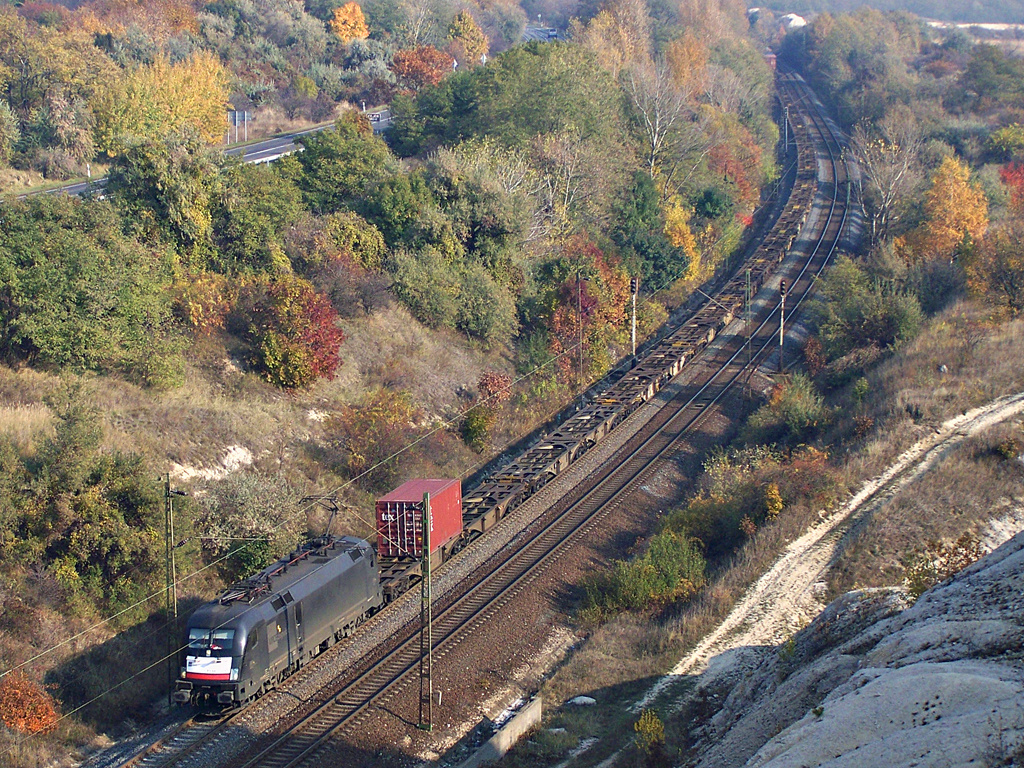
x: 426, y: 629
x: 782, y: 323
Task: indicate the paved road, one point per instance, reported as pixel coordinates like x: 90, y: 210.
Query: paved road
x: 543, y: 34
x: 258, y: 152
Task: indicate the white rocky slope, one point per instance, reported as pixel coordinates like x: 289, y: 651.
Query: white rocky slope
x: 872, y: 682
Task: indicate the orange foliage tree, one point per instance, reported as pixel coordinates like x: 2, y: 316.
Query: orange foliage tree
x: 687, y: 59
x: 995, y: 270
x: 420, y: 67
x: 349, y: 23
x: 467, y: 41
x: 955, y: 210
x: 24, y: 706
x: 620, y: 35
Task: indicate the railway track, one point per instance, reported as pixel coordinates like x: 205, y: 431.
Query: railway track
x: 303, y: 740
x: 302, y: 743
x: 179, y: 744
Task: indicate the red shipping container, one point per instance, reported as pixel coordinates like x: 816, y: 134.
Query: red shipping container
x: 400, y: 517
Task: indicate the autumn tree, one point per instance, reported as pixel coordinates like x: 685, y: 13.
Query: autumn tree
x: 32, y: 65
x: 1012, y: 175
x: 677, y: 231
x: 995, y: 270
x: 955, y: 209
x: 619, y: 35
x: 888, y: 155
x: 687, y: 61
x: 162, y: 99
x: 421, y: 67
x: 494, y: 390
x: 660, y: 108
x: 571, y: 194
x: 710, y: 20
x: 349, y: 23
x: 589, y: 304
x: 366, y: 437
x: 467, y: 41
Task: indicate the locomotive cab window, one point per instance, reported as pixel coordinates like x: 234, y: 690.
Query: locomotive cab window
x: 211, y: 642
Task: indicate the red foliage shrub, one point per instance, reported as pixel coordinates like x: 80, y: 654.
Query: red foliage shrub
x: 1012, y: 175
x: 814, y: 356
x: 495, y: 387
x: 293, y: 329
x: 598, y: 301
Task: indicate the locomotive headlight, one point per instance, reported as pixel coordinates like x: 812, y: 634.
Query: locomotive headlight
x: 182, y: 674
x: 234, y: 674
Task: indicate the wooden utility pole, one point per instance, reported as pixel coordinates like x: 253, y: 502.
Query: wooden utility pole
x: 426, y: 629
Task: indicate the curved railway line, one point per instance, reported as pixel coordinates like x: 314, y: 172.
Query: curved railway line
x: 820, y: 163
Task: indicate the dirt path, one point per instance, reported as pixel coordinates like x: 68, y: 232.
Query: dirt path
x: 786, y: 597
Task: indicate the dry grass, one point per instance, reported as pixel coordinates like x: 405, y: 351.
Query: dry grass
x: 961, y: 495
x: 16, y: 181
x: 271, y: 120
x: 24, y: 425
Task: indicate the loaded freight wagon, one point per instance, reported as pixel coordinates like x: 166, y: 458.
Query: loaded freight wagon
x: 400, y: 517
x: 400, y: 530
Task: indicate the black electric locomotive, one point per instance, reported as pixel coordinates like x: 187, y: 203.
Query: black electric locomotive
x: 262, y: 629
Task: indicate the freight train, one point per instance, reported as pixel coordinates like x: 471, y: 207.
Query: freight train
x: 266, y: 627
x: 263, y: 629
